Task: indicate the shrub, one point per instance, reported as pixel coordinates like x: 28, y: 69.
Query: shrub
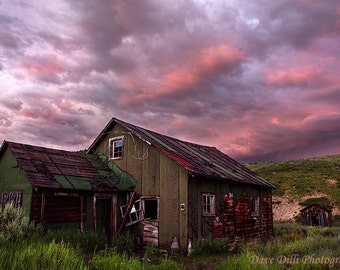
x: 151, y: 254
x: 123, y: 244
x: 289, y: 231
x: 14, y: 224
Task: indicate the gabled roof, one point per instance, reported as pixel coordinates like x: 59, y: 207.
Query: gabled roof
x: 59, y: 169
x: 199, y: 160
x: 316, y: 205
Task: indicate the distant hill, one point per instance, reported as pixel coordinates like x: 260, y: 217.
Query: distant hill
x: 302, y: 182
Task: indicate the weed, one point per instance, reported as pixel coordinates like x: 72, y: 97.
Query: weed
x: 151, y: 254
x: 210, y: 247
x: 123, y: 244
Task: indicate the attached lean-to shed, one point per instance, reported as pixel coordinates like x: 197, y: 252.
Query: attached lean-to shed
x: 316, y: 215
x: 61, y: 188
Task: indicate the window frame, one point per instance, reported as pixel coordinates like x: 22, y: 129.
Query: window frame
x: 152, y: 198
x: 208, y: 200
x: 116, y: 154
x: 255, y: 205
x: 137, y: 212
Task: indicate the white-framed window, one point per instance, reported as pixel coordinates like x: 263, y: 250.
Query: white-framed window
x: 144, y: 208
x: 255, y: 206
x: 208, y: 204
x: 136, y: 213
x: 116, y: 147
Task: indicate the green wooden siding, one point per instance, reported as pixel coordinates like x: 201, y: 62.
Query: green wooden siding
x: 13, y: 178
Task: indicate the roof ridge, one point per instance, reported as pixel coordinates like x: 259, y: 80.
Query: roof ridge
x: 162, y: 134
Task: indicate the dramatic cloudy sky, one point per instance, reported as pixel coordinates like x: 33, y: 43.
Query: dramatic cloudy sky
x: 259, y: 79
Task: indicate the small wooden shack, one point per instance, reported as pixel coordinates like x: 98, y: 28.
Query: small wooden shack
x: 63, y: 188
x: 316, y: 215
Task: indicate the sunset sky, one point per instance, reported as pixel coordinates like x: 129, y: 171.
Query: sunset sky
x: 259, y: 80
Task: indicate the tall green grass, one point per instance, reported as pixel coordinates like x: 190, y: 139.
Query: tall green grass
x: 292, y: 247
x: 110, y: 260
x: 299, y: 248
x: 39, y: 255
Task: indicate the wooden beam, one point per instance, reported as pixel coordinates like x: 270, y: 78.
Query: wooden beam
x: 81, y: 213
x: 114, y: 213
x: 42, y: 207
x: 127, y: 212
x: 94, y: 213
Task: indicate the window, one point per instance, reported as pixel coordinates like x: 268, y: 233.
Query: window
x: 116, y: 147
x: 208, y: 203
x: 136, y: 213
x: 255, y: 206
x: 150, y: 206
x: 145, y: 208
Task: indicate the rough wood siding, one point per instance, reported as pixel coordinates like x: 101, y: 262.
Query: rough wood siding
x: 239, y: 222
x: 150, y: 184
x: 169, y: 201
x: 316, y: 215
x: 267, y: 214
x: 158, y: 176
x: 13, y: 178
x: 183, y: 215
x: 245, y: 226
x: 229, y: 218
x: 234, y: 212
x: 57, y: 209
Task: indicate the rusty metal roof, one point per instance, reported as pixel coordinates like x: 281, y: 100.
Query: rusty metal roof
x: 199, y: 160
x: 53, y: 168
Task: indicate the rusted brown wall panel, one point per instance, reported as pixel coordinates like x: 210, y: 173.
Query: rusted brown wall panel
x: 58, y: 209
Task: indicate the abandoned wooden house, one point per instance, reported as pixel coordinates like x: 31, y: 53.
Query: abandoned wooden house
x: 185, y: 190
x: 62, y: 187
x: 316, y: 215
x: 131, y: 178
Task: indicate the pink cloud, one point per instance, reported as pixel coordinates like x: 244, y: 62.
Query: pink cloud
x: 299, y: 76
x: 197, y: 67
x: 43, y: 68
x: 202, y: 64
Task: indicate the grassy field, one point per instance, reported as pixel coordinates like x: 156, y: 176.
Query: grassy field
x: 292, y: 247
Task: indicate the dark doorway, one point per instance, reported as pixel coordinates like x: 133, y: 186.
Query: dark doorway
x: 104, y: 217
x: 315, y: 219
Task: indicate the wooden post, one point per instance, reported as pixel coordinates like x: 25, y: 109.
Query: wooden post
x: 94, y: 213
x: 81, y: 213
x: 42, y: 207
x: 114, y: 213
